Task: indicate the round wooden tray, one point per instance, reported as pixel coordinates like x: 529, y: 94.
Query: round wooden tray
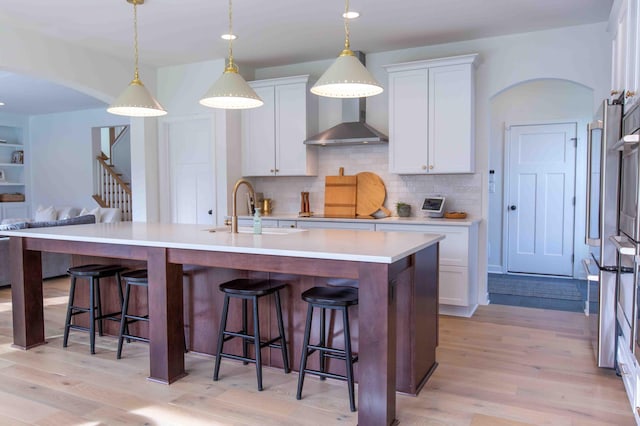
x: 455, y: 215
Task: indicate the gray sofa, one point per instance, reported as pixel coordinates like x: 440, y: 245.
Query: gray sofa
x: 53, y: 264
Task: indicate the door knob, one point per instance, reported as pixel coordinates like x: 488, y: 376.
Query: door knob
x: 512, y: 207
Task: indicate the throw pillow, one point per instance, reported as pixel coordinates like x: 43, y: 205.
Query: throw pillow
x: 110, y: 215
x: 95, y: 212
x: 67, y: 213
x: 44, y: 214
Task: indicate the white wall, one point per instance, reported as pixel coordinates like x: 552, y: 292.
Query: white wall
x: 61, y: 156
x: 536, y: 102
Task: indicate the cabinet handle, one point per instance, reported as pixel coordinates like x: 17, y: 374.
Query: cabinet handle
x: 615, y: 92
x: 629, y: 94
x: 271, y: 170
x: 424, y: 167
x: 277, y: 170
x: 431, y: 167
x: 292, y: 226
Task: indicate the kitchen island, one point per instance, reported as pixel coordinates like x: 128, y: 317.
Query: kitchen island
x: 395, y: 270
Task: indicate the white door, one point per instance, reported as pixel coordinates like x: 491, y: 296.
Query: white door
x: 190, y: 149
x: 540, y: 199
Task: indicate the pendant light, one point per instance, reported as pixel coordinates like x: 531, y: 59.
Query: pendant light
x: 231, y: 91
x: 136, y: 100
x: 347, y: 77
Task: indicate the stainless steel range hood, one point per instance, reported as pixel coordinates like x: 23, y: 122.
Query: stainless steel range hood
x: 353, y: 132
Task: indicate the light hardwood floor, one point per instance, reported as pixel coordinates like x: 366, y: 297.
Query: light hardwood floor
x: 505, y: 366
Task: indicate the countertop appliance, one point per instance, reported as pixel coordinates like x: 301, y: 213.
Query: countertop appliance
x: 603, y: 175
x: 433, y: 206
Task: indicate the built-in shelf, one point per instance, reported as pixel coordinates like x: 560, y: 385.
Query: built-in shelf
x: 11, y: 184
x: 11, y: 165
x: 12, y: 145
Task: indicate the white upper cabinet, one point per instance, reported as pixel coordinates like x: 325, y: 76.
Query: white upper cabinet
x: 625, y: 69
x: 273, y: 135
x: 431, y: 116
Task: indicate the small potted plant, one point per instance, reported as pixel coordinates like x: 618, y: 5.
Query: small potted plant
x: 403, y: 209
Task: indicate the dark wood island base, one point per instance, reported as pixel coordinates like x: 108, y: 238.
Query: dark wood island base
x: 397, y: 315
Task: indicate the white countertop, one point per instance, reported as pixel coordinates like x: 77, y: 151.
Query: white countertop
x: 468, y: 221
x: 361, y: 246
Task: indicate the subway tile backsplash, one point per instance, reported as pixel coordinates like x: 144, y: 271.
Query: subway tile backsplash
x: 463, y: 191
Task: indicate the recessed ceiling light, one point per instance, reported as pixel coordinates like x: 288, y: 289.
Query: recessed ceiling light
x: 350, y: 14
x: 228, y: 36
x: 1, y: 103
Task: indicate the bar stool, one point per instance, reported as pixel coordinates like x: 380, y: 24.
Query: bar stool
x: 137, y: 278
x: 250, y: 289
x: 93, y: 273
x: 332, y: 298
x: 132, y: 278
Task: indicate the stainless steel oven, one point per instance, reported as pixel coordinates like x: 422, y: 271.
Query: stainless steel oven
x: 629, y: 220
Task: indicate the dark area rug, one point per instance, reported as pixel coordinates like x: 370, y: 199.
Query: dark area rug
x: 538, y: 292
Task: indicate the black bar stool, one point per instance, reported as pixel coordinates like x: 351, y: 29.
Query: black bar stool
x: 138, y: 278
x: 93, y: 273
x: 249, y: 289
x: 332, y: 298
x: 133, y: 278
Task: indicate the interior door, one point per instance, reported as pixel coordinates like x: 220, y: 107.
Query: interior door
x: 192, y: 179
x: 541, y: 197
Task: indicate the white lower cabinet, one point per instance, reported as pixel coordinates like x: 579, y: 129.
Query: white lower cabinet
x: 458, y: 278
x: 628, y: 367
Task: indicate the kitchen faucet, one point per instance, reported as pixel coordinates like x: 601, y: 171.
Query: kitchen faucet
x: 234, y: 212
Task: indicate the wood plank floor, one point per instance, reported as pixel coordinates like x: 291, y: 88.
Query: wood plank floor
x: 505, y: 366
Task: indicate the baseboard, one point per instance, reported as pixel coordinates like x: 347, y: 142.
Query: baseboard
x: 495, y: 269
x: 457, y: 311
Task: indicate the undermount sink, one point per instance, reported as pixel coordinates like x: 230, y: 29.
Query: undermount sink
x: 265, y: 231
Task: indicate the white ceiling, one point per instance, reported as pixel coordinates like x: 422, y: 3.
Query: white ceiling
x: 273, y: 32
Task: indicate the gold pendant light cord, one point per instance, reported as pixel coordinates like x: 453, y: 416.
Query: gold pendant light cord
x: 231, y: 67
x: 346, y: 26
x: 136, y: 76
x: 347, y: 46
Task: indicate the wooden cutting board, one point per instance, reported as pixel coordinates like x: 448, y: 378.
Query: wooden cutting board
x: 370, y: 193
x: 340, y: 195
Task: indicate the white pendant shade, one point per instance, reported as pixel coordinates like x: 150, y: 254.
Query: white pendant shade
x: 347, y: 78
x: 231, y: 91
x: 136, y: 101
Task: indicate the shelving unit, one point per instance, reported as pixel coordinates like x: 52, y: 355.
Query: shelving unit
x: 12, y: 171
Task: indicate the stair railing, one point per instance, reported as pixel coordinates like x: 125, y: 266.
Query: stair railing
x: 110, y: 190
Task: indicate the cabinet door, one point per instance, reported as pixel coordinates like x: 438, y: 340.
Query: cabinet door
x: 453, y: 285
x: 408, y: 129
x: 619, y: 53
x: 454, y: 249
x: 290, y: 129
x: 633, y: 57
x: 450, y: 119
x: 258, y: 136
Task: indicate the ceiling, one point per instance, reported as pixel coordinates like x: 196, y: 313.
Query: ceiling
x: 270, y: 32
